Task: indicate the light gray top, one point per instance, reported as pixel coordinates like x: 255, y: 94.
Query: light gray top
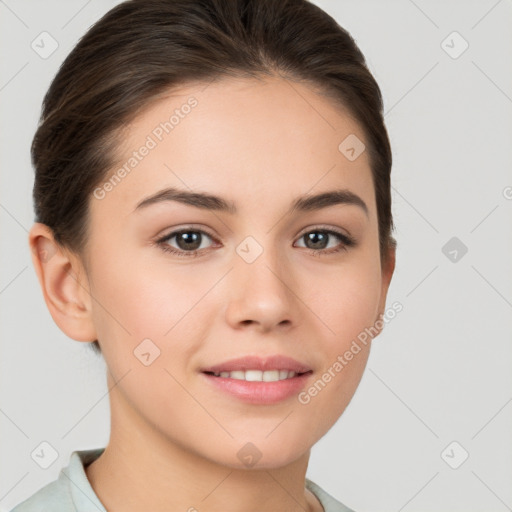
x: 72, y: 491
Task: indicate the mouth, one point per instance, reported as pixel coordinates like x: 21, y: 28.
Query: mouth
x: 256, y: 380
x: 258, y: 375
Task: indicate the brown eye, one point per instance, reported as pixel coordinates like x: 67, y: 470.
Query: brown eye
x: 188, y: 242
x: 318, y: 241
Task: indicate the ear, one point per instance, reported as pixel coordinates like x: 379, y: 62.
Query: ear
x: 388, y: 267
x: 64, y: 284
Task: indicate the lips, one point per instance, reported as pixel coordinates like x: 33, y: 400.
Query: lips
x: 275, y: 362
x: 253, y: 379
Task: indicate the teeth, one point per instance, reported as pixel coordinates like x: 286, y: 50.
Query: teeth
x: 270, y: 376
x: 254, y: 375
x: 258, y: 375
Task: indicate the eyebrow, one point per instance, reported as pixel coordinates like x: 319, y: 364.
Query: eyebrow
x: 305, y: 203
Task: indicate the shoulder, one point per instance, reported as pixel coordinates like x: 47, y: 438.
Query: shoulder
x: 54, y: 496
x: 70, y: 492
x: 329, y: 503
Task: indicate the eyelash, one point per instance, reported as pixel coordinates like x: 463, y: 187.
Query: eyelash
x: 346, y: 242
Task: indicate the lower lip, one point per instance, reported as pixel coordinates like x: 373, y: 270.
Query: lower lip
x: 259, y: 392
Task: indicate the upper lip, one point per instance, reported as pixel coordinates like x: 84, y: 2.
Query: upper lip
x: 275, y: 362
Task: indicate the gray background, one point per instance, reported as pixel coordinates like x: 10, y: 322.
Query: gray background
x: 440, y: 372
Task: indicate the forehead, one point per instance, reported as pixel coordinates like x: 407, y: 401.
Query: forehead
x: 245, y: 139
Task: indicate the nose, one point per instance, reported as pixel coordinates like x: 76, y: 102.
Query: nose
x: 262, y: 294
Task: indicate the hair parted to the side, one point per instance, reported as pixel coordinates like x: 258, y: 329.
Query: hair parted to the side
x: 142, y: 48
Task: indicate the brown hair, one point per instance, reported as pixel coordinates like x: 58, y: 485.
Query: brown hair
x: 141, y: 48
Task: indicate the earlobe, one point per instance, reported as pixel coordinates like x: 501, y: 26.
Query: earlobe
x: 63, y: 281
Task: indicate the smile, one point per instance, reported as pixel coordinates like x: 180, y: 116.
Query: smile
x: 257, y: 375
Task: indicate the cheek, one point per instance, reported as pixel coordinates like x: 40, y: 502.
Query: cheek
x: 347, y: 301
x: 348, y: 306
x: 136, y: 301
x: 130, y: 302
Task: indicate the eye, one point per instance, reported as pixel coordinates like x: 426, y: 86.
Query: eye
x: 318, y: 239
x: 188, y: 240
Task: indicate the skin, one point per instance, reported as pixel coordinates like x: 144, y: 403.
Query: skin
x: 174, y: 438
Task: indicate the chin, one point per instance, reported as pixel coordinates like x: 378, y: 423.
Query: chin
x: 261, y: 453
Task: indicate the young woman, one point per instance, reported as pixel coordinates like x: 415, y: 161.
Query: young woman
x: 213, y: 215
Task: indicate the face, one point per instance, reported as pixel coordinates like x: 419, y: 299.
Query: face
x: 180, y: 288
